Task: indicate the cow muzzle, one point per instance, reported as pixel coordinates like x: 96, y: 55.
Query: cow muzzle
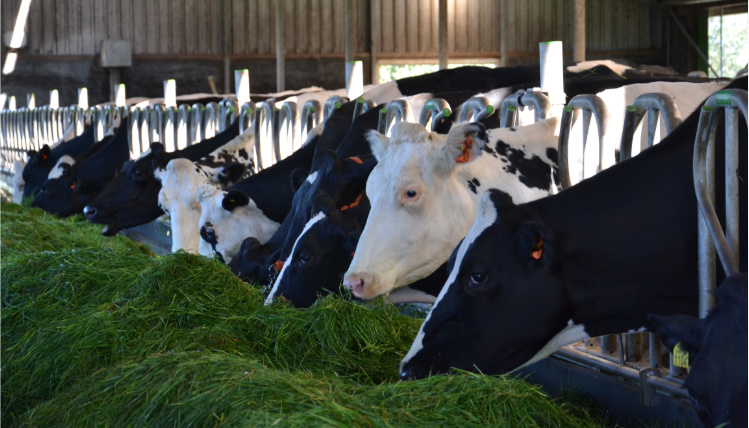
x: 363, y: 286
x: 89, y: 211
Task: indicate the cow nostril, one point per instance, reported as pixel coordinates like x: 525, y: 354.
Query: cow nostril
x: 89, y: 211
x: 409, y: 373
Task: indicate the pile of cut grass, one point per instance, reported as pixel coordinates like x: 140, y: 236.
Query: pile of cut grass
x: 101, y: 332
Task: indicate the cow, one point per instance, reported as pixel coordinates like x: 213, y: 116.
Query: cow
x: 177, y: 197
x: 73, y: 183
x: 131, y: 199
x: 18, y: 183
x: 594, y: 259
x: 323, y: 250
x: 425, y: 189
x: 716, y: 348
x: 40, y: 163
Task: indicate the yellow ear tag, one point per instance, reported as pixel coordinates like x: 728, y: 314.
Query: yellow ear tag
x: 681, y: 356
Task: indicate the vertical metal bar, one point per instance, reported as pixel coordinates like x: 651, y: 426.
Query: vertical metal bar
x: 732, y: 180
x: 578, y: 54
x: 706, y: 247
x: 280, y: 48
x: 442, y: 45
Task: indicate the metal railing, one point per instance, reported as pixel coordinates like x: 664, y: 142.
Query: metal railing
x: 656, y: 106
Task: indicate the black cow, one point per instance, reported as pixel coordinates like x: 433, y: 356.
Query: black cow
x: 717, y: 354
x: 78, y: 183
x: 41, y: 163
x: 594, y: 259
x: 132, y: 198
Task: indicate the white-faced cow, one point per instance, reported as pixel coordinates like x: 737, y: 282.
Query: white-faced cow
x: 131, y: 199
x: 179, y: 183
x: 425, y: 189
x: 594, y: 259
x: 716, y: 349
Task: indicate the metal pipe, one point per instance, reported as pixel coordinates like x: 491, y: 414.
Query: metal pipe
x: 433, y: 111
x: 287, y: 122
x: 539, y: 102
x: 311, y: 116
x: 442, y: 34
x: 478, y: 108
x: 280, y: 48
x: 333, y: 103
x: 592, y: 107
x: 398, y: 110
x: 508, y: 111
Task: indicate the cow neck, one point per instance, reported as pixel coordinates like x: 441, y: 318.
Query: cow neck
x: 75, y: 146
x: 206, y: 147
x: 615, y: 275
x: 271, y: 188
x: 102, y: 166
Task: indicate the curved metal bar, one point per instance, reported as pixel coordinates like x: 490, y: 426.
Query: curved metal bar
x: 265, y: 125
x: 397, y: 111
x: 477, y: 107
x: 382, y: 122
x: 539, y: 102
x: 133, y: 135
x: 333, y: 103
x: 508, y: 111
x: 311, y: 116
x: 656, y: 105
x: 246, y: 116
x: 711, y: 235
x: 288, y: 131
x: 210, y: 120
x: 197, y: 130
x: 591, y: 106
x: 434, y: 111
x: 183, y: 127
x: 362, y: 106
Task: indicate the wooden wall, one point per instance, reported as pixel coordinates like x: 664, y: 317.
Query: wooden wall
x: 314, y: 28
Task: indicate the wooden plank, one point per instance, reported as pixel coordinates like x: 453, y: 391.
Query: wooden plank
x: 251, y: 29
x: 126, y: 15
x: 399, y: 28
x: 338, y: 26
x: 47, y: 42
x: 176, y: 23
x: 217, y: 35
x: 114, y: 27
x: 512, y: 38
x: 301, y: 44
x: 388, y: 25
x: 451, y: 33
x: 61, y: 21
x: 425, y: 24
x: 593, y: 26
x: 291, y: 34
x: 633, y: 25
x: 87, y: 36
x: 489, y: 18
x: 313, y: 26
x: 238, y: 27
x: 474, y: 26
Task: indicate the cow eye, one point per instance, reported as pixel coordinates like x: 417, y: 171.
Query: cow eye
x: 410, y: 194
x: 209, y: 234
x: 305, y: 258
x: 137, y: 172
x: 477, y: 279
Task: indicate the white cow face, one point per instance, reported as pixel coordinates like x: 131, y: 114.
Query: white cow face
x: 414, y: 192
x: 222, y: 230
x: 179, y: 184
x: 425, y: 191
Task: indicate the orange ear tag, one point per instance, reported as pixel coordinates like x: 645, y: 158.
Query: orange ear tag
x: 538, y: 250
x: 353, y: 204
x: 277, y: 266
x: 72, y: 186
x: 464, y: 147
x: 356, y: 159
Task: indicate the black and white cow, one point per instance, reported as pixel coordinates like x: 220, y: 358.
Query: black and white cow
x: 41, y: 163
x: 73, y: 183
x: 594, y: 259
x: 717, y: 354
x: 131, y: 199
x: 425, y: 189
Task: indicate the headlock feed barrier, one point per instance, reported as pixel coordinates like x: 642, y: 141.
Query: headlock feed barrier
x: 287, y: 126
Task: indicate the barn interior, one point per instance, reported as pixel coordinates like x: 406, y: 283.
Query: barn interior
x: 66, y: 52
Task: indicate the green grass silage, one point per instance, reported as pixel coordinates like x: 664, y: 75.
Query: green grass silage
x: 98, y: 331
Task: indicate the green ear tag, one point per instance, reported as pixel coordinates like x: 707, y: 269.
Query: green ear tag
x: 681, y: 357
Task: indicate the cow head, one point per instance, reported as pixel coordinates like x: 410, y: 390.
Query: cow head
x: 131, y: 198
x: 487, y: 315
x: 250, y: 264
x: 419, y: 205
x: 36, y: 170
x: 717, y: 351
x: 66, y: 191
x: 226, y: 218
x: 177, y: 197
x: 18, y: 183
x: 321, y: 253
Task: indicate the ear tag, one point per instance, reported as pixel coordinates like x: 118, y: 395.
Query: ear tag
x: 44, y: 156
x: 353, y: 204
x: 356, y: 159
x: 681, y: 356
x: 277, y: 266
x: 352, y: 254
x: 538, y: 250
x: 464, y: 147
x: 72, y: 186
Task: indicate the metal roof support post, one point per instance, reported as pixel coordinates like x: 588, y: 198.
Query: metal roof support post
x: 280, y: 48
x: 442, y: 34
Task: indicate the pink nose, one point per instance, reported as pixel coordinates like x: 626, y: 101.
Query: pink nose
x: 356, y: 285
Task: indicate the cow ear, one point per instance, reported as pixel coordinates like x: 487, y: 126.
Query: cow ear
x: 45, y: 153
x: 234, y: 199
x: 464, y: 144
x: 250, y: 245
x: 31, y: 153
x: 231, y: 173
x: 684, y: 329
x: 297, y: 177
x: 157, y: 148
x: 378, y: 144
x: 204, y: 193
x: 533, y: 245
x: 321, y: 203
